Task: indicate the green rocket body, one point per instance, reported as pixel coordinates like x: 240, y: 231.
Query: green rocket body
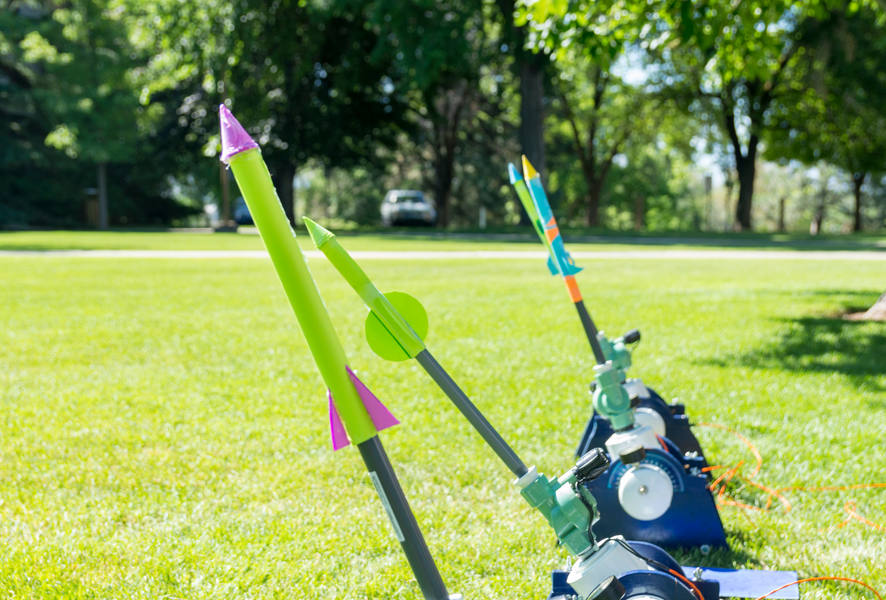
x: 255, y: 183
x: 356, y: 413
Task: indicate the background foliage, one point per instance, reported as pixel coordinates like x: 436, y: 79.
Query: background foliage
x: 349, y: 98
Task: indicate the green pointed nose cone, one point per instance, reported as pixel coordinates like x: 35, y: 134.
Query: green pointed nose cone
x: 318, y: 234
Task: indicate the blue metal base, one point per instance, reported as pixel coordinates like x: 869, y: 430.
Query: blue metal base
x: 714, y: 583
x: 677, y: 427
x: 657, y: 584
x: 692, y: 519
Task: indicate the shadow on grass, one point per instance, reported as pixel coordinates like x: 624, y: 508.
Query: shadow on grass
x: 827, y: 344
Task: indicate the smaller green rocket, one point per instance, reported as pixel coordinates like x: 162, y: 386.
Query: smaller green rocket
x: 396, y: 327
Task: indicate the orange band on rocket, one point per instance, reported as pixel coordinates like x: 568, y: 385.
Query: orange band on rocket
x: 572, y: 286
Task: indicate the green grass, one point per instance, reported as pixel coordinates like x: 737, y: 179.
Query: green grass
x: 164, y: 430
x: 429, y: 240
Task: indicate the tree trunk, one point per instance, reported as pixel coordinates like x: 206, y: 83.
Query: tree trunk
x: 878, y: 310
x: 592, y: 215
x: 875, y: 313
x: 532, y: 139
x: 747, y: 170
x: 443, y: 187
x: 103, y: 196
x: 857, y: 182
x: 225, y: 194
x: 283, y: 176
x: 781, y: 202
x: 639, y: 212
x: 818, y: 217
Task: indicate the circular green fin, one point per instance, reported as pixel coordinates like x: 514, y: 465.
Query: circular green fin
x: 381, y: 341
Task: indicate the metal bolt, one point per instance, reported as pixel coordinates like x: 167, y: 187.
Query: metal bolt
x: 643, y: 489
x: 697, y: 575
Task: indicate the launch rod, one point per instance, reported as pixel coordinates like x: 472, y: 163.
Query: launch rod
x: 399, y: 341
x: 242, y: 153
x: 471, y: 413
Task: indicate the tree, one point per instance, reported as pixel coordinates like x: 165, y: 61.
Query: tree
x: 604, y: 116
x: 310, y: 79
x: 532, y: 68
x: 81, y: 63
x: 837, y: 109
x: 602, y: 112
x: 727, y: 58
x: 441, y: 49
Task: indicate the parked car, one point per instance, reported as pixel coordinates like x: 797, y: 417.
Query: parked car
x: 407, y: 207
x: 241, y: 212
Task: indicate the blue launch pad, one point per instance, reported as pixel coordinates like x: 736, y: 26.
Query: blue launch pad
x: 744, y: 583
x: 677, y: 427
x: 692, y: 519
x: 715, y: 583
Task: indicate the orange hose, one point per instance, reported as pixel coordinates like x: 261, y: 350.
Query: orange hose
x: 692, y: 585
x: 746, y: 441
x: 849, y: 507
x: 879, y: 597
x: 719, y: 485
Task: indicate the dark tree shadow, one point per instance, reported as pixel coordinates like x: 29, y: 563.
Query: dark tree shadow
x: 826, y: 344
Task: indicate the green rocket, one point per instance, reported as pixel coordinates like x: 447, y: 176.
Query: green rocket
x: 612, y: 357
x: 355, y: 414
x: 396, y: 327
x: 395, y: 330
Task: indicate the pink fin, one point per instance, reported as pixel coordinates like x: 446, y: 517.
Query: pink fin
x: 381, y: 416
x: 339, y: 437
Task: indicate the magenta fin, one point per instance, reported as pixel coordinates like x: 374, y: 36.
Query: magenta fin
x: 381, y: 417
x: 339, y: 437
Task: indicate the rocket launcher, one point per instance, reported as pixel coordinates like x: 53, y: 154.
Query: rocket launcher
x: 356, y: 415
x: 396, y: 327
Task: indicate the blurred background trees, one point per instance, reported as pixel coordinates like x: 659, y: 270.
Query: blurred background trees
x: 640, y: 115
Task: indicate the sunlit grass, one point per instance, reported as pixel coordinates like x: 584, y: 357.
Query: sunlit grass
x: 164, y: 429
x: 429, y: 239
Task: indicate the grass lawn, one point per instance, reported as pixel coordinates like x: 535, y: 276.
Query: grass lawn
x: 423, y: 239
x: 164, y: 430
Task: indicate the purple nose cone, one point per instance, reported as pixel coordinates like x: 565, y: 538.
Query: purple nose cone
x: 234, y: 138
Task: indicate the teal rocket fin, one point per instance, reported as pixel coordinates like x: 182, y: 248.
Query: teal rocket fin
x: 571, y: 267
x: 552, y: 266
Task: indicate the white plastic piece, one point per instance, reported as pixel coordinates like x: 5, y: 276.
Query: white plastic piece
x: 611, y: 558
x: 456, y: 597
x: 650, y: 418
x: 645, y: 492
x: 621, y: 440
x: 636, y: 388
x: 530, y: 476
x: 604, y: 368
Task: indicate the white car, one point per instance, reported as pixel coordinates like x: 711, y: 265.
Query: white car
x: 407, y: 207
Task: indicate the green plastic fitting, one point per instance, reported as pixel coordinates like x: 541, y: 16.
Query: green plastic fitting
x: 569, y: 508
x: 610, y: 398
x: 617, y: 353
